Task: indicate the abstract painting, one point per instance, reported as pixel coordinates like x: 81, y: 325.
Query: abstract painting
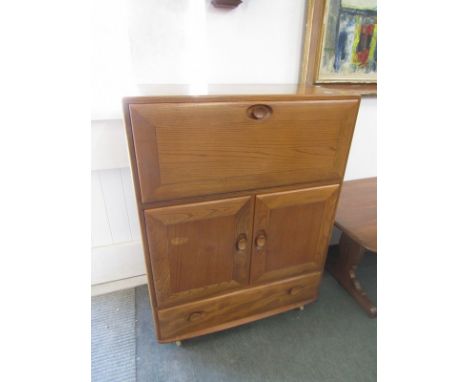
x: 349, y: 42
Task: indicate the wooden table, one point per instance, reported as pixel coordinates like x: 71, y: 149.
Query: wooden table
x: 356, y: 217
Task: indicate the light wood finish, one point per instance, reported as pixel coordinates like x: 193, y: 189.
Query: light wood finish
x: 238, y: 322
x: 194, y: 248
x: 186, y: 149
x: 294, y: 227
x: 150, y: 93
x: 207, y: 169
x: 188, y: 318
x: 357, y: 218
x: 311, y: 54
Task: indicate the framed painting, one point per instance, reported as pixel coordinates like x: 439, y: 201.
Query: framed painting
x: 340, y: 45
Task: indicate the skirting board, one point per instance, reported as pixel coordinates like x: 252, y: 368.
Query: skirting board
x: 115, y: 286
x: 117, y: 262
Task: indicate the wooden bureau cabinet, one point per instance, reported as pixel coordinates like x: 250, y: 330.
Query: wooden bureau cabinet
x: 236, y: 197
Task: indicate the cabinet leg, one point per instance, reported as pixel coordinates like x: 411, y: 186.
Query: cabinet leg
x: 301, y: 307
x: 178, y: 343
x: 344, y: 271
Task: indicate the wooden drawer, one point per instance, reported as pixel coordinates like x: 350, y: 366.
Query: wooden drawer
x: 189, y: 148
x: 233, y: 309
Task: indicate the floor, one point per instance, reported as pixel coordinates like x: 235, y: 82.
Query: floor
x: 331, y: 340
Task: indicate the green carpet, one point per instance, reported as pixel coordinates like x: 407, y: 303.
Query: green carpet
x: 113, y: 342
x: 331, y: 340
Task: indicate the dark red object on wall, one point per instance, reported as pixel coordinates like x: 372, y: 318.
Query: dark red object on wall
x: 226, y: 3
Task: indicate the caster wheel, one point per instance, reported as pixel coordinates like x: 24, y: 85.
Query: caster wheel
x: 179, y: 343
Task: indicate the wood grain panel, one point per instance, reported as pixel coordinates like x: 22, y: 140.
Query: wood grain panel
x: 357, y: 212
x: 188, y: 319
x: 189, y: 149
x: 193, y: 248
x: 236, y: 197
x: 296, y: 226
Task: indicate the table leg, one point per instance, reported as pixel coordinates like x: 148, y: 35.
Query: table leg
x: 344, y: 271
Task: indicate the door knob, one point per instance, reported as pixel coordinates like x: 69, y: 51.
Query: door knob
x: 241, y: 244
x: 195, y: 316
x: 295, y: 290
x: 259, y: 111
x: 260, y: 241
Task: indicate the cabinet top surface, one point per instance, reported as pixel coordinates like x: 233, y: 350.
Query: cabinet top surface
x: 146, y: 93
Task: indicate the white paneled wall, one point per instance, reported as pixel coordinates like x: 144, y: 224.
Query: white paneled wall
x: 114, y: 217
x: 100, y: 226
x: 117, y: 253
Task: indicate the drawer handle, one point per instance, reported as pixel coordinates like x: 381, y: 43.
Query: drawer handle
x: 195, y: 316
x: 295, y: 290
x: 241, y: 244
x: 260, y: 240
x: 259, y: 112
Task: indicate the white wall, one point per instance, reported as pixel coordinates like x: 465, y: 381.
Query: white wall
x: 183, y: 41
x: 362, y: 161
x: 190, y: 40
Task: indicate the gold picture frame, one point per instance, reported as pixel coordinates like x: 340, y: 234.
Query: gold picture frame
x: 315, y: 28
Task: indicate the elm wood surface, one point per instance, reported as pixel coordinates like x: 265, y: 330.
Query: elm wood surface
x: 357, y: 217
x: 199, y: 249
x: 188, y: 149
x: 150, y: 93
x: 178, y: 290
x: 294, y: 228
x: 176, y: 322
x: 235, y: 194
x: 357, y: 212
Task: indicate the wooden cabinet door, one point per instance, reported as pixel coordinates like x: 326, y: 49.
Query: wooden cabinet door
x: 200, y: 249
x: 291, y: 232
x: 186, y: 149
